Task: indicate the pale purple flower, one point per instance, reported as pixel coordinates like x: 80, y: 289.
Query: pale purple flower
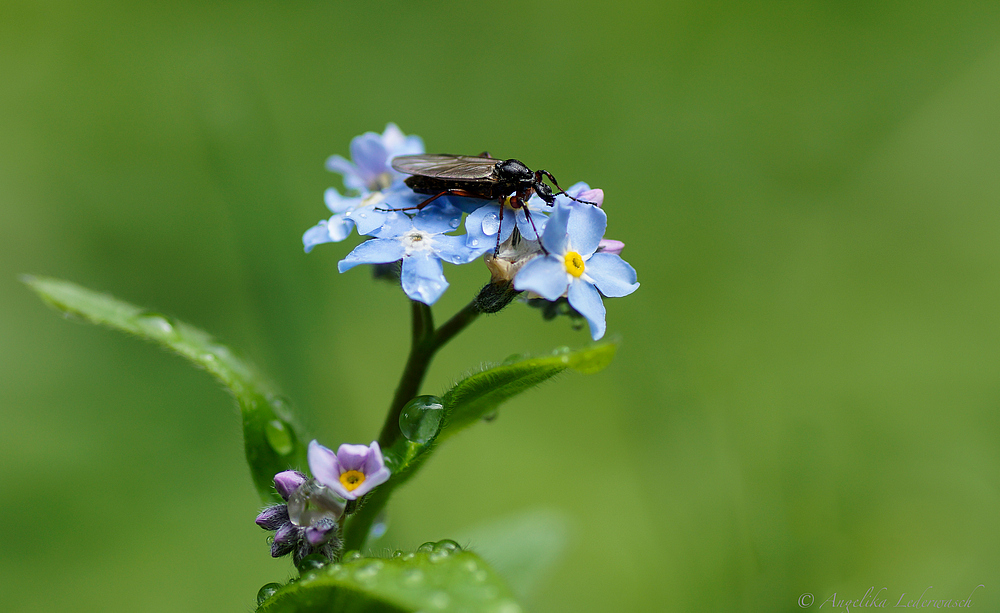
x: 352, y: 472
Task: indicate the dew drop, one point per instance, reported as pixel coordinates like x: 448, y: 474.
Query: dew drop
x: 508, y: 606
x: 312, y: 562
x: 491, y: 416
x: 426, y: 547
x: 266, y: 591
x: 439, y: 600
x: 351, y: 556
x: 155, y: 323
x: 278, y: 437
x: 368, y: 573
x: 454, y: 223
x: 447, y: 546
x: 396, y: 554
x: 475, y: 242
x: 413, y: 577
x: 421, y: 418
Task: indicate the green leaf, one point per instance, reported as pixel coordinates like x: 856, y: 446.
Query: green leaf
x: 437, y: 577
x: 272, y: 439
x: 523, y: 548
x: 480, y: 394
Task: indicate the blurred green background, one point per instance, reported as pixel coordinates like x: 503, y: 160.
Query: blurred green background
x: 806, y: 395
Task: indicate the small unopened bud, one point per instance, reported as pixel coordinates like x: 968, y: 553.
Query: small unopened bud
x: 608, y: 245
x: 273, y: 517
x: 495, y: 296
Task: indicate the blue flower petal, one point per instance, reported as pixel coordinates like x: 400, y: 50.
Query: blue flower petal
x: 455, y: 250
x: 544, y: 275
x: 484, y: 221
x: 339, y: 227
x: 369, y: 219
x: 374, y: 251
x: 348, y: 170
x: 586, y: 227
x: 527, y: 227
x: 422, y: 277
x: 370, y: 156
x: 337, y: 203
x: 585, y: 298
x: 554, y: 238
x: 316, y: 235
x: 612, y: 275
x: 437, y: 219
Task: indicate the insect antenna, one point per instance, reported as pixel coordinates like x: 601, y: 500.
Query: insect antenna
x: 538, y: 177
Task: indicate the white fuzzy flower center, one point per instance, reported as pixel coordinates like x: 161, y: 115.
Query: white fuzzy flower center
x: 415, y: 240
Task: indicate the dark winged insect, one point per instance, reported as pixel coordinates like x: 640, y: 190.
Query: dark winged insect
x: 506, y: 181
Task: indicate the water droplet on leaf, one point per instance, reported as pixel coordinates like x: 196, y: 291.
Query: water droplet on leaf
x: 426, y: 547
x: 491, y: 416
x: 447, y: 545
x: 266, y: 591
x: 413, y: 577
x: 421, y: 418
x: 351, y: 556
x: 154, y: 323
x: 279, y: 437
x: 314, y: 561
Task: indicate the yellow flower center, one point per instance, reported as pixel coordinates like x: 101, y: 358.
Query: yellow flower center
x: 574, y: 263
x: 352, y: 479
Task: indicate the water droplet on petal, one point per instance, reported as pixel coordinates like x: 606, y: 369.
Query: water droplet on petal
x: 454, y: 223
x: 475, y: 242
x: 421, y: 418
x: 266, y: 591
x: 279, y: 437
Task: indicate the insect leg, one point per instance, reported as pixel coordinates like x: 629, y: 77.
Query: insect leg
x: 538, y: 237
x: 496, y: 249
x: 538, y: 177
x: 447, y: 192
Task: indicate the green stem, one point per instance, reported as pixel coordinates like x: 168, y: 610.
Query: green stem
x: 426, y: 342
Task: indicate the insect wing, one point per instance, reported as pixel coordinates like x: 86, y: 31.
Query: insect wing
x: 448, y: 167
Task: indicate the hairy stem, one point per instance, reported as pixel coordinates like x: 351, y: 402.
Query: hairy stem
x: 426, y: 342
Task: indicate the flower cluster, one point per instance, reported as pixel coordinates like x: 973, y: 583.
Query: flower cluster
x: 555, y: 252
x: 309, y: 521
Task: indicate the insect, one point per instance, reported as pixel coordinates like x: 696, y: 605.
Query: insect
x: 509, y: 182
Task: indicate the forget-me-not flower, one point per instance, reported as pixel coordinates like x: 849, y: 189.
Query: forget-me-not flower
x: 421, y: 243
x: 377, y: 186
x: 352, y: 472
x: 369, y: 169
x: 574, y: 268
